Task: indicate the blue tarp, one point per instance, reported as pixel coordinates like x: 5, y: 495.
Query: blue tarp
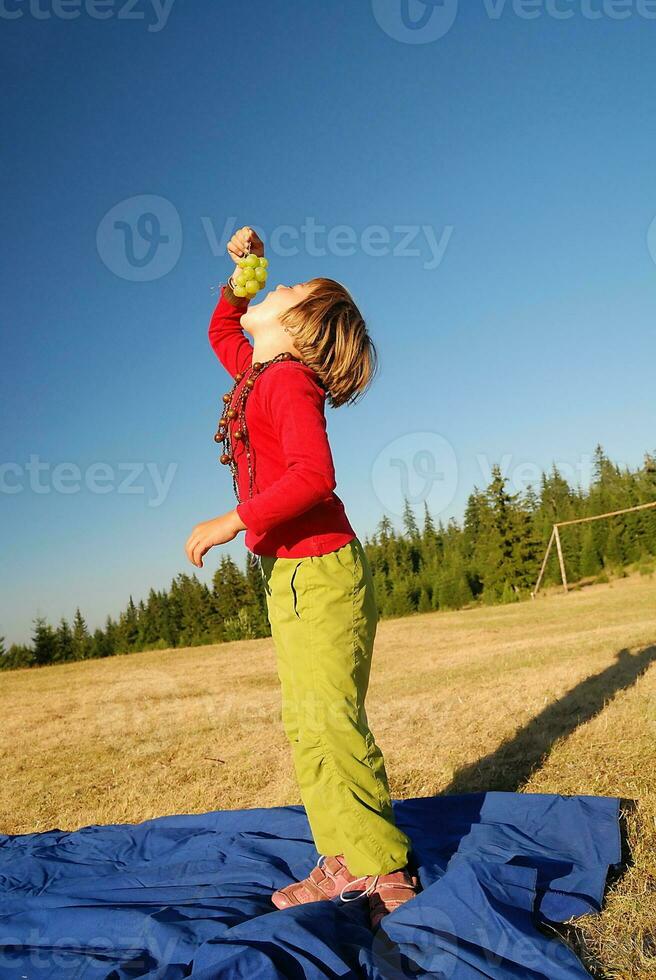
x: 189, y: 896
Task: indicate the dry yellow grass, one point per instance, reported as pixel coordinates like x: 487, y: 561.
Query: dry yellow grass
x: 557, y: 695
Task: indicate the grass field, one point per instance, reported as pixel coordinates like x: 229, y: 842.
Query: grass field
x: 555, y: 696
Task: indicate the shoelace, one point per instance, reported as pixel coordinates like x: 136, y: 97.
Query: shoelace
x: 348, y: 887
x: 367, y: 891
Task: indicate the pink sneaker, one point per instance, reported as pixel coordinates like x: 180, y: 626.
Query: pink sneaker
x: 330, y: 878
x: 389, y: 892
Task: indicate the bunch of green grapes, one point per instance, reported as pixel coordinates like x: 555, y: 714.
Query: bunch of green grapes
x: 252, y: 275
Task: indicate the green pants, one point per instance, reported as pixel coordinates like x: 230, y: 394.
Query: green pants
x: 323, y: 619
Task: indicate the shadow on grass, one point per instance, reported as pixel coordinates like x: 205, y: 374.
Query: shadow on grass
x: 518, y: 757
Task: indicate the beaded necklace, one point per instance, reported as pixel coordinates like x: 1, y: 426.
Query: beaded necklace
x: 237, y: 415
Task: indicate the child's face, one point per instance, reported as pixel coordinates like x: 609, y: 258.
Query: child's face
x: 266, y: 314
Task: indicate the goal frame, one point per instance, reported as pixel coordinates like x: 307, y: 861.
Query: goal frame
x: 555, y: 536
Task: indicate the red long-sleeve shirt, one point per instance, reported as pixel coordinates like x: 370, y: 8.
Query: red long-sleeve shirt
x: 294, y: 511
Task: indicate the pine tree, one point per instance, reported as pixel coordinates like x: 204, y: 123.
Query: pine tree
x: 111, y: 636
x: 81, y: 645
x: 399, y: 602
x: 428, y: 531
x: 557, y: 499
x: 409, y: 521
x: 44, y: 642
x: 159, y: 624
x: 603, y: 471
x: 64, y: 642
x: 646, y: 493
x: 385, y: 530
x: 590, y: 563
x: 613, y: 554
x: 128, y: 629
x: 453, y: 589
x: 100, y: 646
x: 18, y: 655
x: 239, y: 600
x: 527, y: 546
x: 229, y: 586
x: 256, y: 597
x: 493, y: 556
x: 496, y: 550
x: 476, y: 518
x: 507, y: 552
x: 425, y: 601
x: 194, y: 606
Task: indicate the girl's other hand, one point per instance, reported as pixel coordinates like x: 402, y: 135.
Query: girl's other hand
x: 210, y: 533
x: 238, y: 244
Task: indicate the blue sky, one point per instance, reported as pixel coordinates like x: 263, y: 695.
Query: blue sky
x: 493, y: 186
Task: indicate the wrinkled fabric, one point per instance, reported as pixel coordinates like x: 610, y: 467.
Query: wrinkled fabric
x: 189, y: 896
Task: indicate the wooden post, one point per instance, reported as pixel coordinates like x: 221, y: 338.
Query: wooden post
x: 579, y: 520
x: 544, y: 564
x: 560, y: 557
x: 611, y: 513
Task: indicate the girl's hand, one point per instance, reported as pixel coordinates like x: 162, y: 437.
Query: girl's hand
x: 210, y: 533
x: 238, y: 244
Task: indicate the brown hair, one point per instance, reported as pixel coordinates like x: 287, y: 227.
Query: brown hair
x: 331, y: 337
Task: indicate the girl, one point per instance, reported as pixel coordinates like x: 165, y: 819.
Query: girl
x: 310, y: 343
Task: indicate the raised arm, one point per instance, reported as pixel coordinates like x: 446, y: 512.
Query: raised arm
x: 295, y: 404
x: 226, y: 335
